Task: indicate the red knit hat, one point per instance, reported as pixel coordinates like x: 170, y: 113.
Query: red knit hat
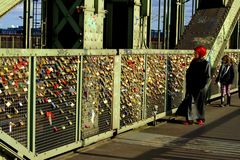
x: 201, y: 51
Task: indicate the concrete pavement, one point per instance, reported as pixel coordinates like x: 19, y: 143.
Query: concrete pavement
x: 218, y: 139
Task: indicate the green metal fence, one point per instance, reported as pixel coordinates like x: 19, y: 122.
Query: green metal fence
x: 54, y: 101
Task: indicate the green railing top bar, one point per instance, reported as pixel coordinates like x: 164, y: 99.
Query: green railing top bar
x: 94, y: 52
x: 232, y: 51
x: 55, y: 52
x: 154, y: 51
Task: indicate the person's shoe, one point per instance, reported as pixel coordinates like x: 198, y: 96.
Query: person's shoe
x: 200, y: 122
x: 188, y: 122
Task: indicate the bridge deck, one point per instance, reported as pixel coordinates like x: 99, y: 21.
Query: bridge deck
x: 218, y: 139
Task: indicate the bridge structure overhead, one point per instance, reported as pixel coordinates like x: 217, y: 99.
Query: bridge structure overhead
x: 7, y: 5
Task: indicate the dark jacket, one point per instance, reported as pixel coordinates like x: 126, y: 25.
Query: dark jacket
x: 225, y: 74
x: 197, y: 80
x: 197, y: 76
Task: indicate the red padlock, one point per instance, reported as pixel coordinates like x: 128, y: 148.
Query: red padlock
x: 50, y: 117
x: 55, y: 129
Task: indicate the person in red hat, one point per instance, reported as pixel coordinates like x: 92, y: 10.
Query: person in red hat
x: 197, y: 82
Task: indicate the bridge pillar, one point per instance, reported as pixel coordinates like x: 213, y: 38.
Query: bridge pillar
x: 96, y: 24
x: 127, y: 23
x: 74, y: 23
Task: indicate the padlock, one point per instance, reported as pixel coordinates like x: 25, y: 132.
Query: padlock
x: 21, y: 123
x: 55, y: 129
x: 63, y: 127
x: 20, y: 104
x: 41, y: 112
x: 8, y: 104
x: 50, y: 117
x: 70, y: 122
x: 15, y: 110
x: 61, y: 111
x: 72, y: 104
x: 8, y: 116
x: 10, y: 126
x: 53, y: 105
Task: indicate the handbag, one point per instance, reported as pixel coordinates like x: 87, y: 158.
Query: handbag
x: 184, y: 106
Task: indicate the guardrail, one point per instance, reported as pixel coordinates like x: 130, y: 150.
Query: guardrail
x: 54, y: 101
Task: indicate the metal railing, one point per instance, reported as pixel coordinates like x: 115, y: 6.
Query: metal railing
x: 54, y: 101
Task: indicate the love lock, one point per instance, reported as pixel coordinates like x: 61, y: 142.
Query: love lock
x: 50, y: 117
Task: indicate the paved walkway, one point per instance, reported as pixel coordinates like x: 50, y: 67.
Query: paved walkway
x: 218, y: 139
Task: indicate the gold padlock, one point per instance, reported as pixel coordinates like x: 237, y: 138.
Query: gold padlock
x: 61, y: 111
x: 21, y: 123
x: 70, y: 122
x: 41, y: 112
x: 15, y: 110
x: 9, y: 116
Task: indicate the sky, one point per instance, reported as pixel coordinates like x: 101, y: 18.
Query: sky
x: 155, y: 4
x: 12, y: 18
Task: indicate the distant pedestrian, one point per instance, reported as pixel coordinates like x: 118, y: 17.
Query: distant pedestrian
x: 197, y: 82
x: 225, y: 77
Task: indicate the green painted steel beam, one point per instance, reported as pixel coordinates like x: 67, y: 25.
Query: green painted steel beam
x: 225, y: 32
x: 9, y: 152
x: 58, y: 151
x: 153, y: 51
x: 20, y: 149
x: 31, y: 131
x: 65, y: 24
x: 55, y: 52
x: 67, y: 17
x: 97, y: 138
x: 79, y: 99
x: 117, y: 93
x: 7, y: 5
x: 28, y: 13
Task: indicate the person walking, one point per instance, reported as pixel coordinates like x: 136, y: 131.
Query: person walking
x: 197, y: 81
x: 225, y: 77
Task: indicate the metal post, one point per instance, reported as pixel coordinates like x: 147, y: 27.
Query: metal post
x: 196, y: 4
x: 43, y: 24
x: 180, y: 19
x: 79, y: 99
x: 177, y: 22
x: 183, y: 10
x: 31, y: 131
x: 165, y: 24
x: 159, y: 24
x: 144, y: 111
x: 168, y: 24
x: 28, y: 6
x: 13, y: 41
x: 166, y: 84
x: 116, y: 93
x: 238, y: 27
x: 149, y: 22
